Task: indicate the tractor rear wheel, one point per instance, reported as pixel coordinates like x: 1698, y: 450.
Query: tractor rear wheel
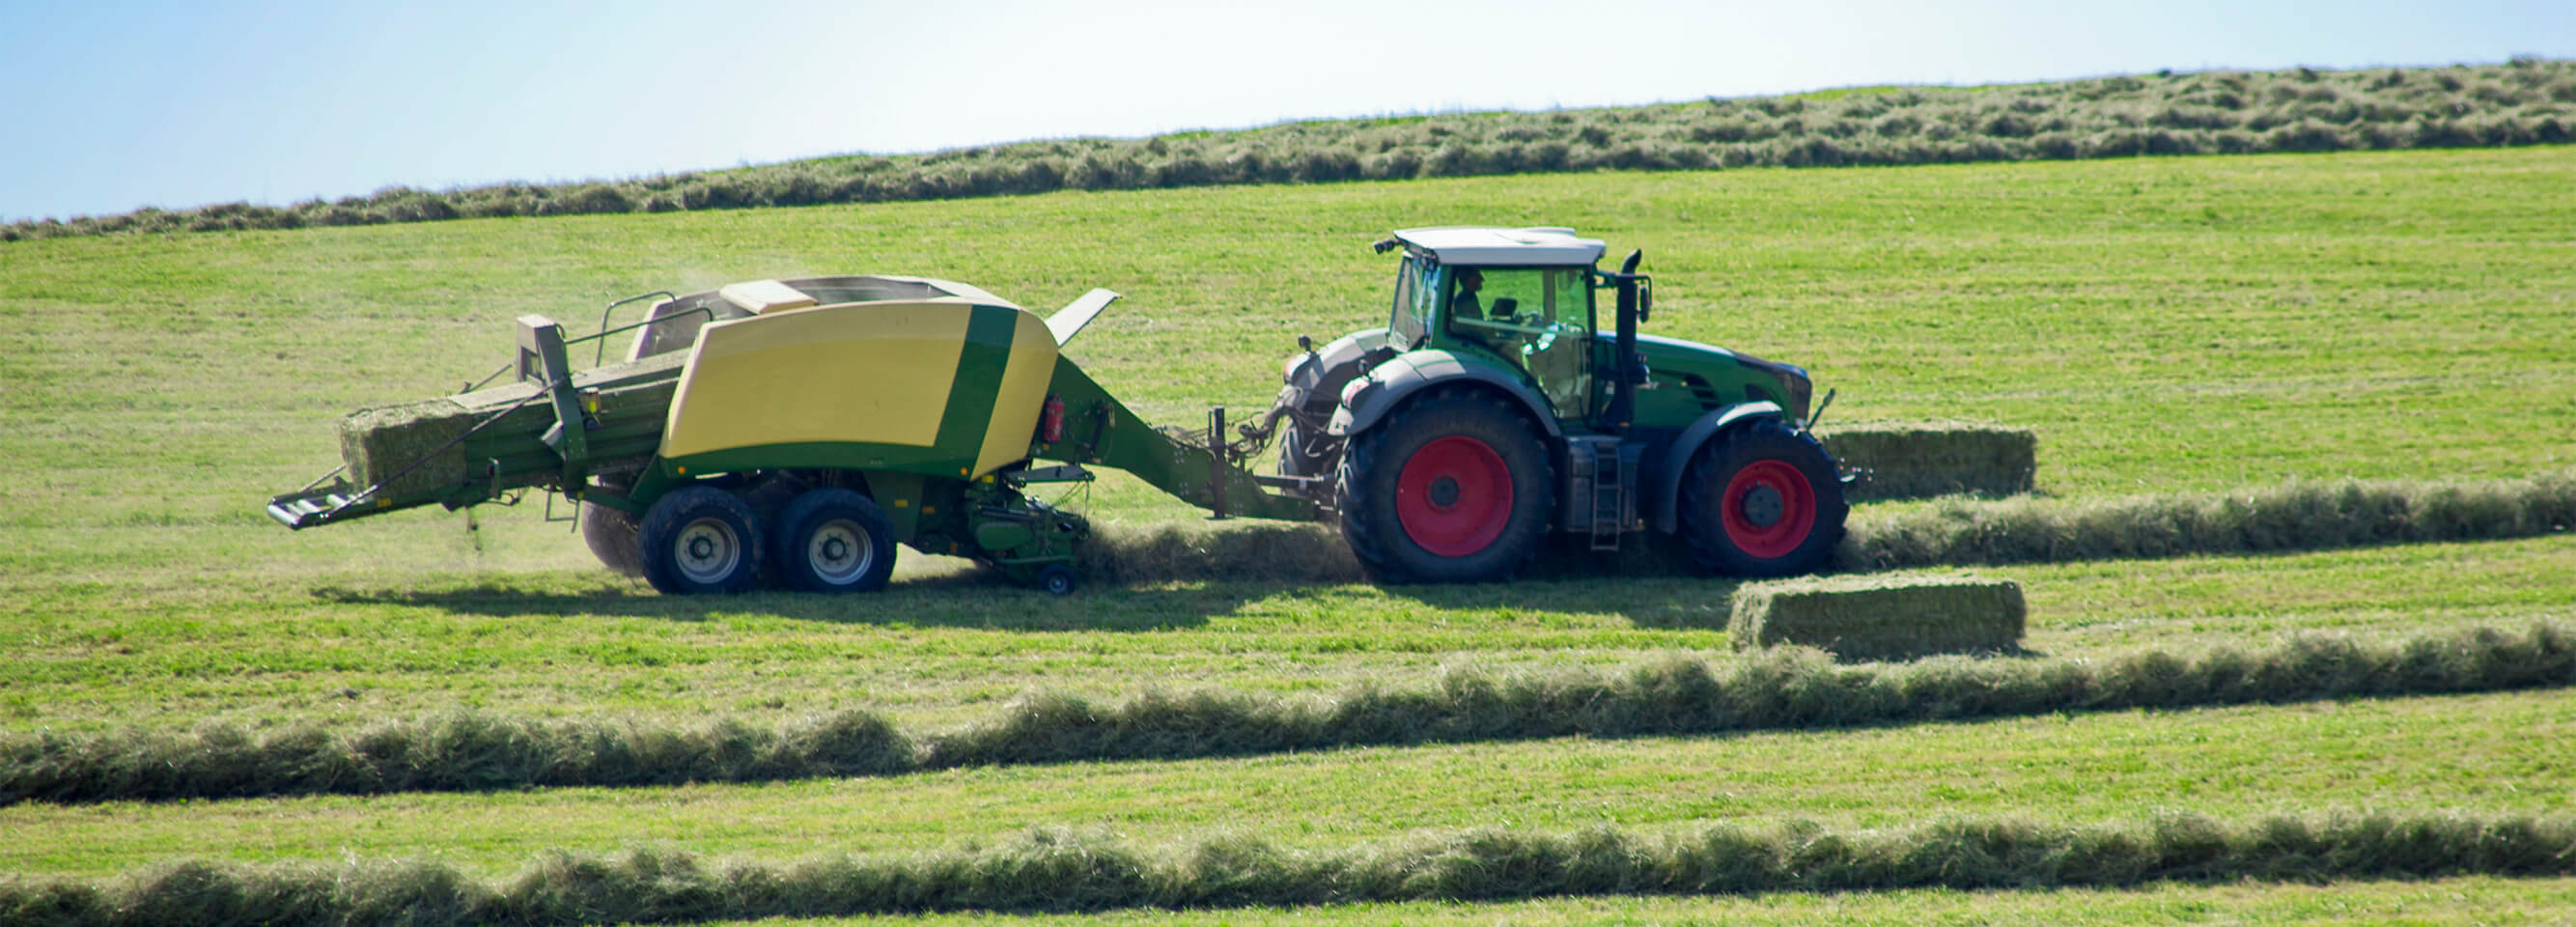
x: 701, y: 539
x: 834, y: 540
x: 1451, y: 489
x: 1762, y: 501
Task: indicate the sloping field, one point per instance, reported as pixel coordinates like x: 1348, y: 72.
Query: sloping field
x: 2219, y: 327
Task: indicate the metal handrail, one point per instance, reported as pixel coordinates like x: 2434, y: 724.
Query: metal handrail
x: 599, y: 355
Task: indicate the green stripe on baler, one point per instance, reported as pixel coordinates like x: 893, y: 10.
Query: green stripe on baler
x: 978, y: 383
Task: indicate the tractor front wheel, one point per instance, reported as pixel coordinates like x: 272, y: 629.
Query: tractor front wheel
x: 700, y: 540
x: 835, y: 540
x: 1762, y: 501
x: 1451, y: 489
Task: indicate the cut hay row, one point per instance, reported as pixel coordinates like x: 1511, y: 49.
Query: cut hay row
x: 2300, y: 515
x: 1880, y: 617
x: 1056, y: 870
x: 2296, y: 516
x: 1783, y: 689
x: 1907, y: 460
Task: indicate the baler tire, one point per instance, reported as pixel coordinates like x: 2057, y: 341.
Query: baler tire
x: 612, y: 536
x: 1057, y: 580
x: 1391, y: 475
x: 699, y: 540
x: 834, y: 540
x: 1728, y: 494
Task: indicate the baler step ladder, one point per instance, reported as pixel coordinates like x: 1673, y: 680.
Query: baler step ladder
x: 1609, y: 496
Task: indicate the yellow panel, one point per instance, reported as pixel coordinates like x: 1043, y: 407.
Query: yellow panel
x: 868, y: 372
x: 1016, y: 404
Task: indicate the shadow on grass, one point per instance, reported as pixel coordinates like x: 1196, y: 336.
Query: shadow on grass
x: 980, y: 600
x: 946, y: 601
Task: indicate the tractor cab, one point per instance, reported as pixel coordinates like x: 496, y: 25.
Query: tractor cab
x: 1520, y: 297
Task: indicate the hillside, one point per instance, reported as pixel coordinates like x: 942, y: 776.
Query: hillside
x: 2524, y: 102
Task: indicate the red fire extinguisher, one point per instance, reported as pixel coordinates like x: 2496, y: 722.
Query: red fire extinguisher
x: 1051, y: 421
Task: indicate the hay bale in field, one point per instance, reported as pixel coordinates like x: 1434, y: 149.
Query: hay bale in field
x: 1903, y: 460
x: 1881, y: 617
x: 1239, y: 550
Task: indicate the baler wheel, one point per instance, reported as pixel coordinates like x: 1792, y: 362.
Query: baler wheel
x: 612, y: 537
x: 701, y: 540
x: 1762, y: 501
x: 1454, y: 488
x: 1057, y: 580
x: 835, y: 540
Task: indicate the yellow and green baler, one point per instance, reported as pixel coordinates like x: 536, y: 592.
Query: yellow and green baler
x: 799, y: 429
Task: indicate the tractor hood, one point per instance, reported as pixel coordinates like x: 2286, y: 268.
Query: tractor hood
x: 1719, y: 377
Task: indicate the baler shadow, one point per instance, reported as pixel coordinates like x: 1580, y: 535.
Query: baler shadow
x: 981, y: 601
x: 946, y: 602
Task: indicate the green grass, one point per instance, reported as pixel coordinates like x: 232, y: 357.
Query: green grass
x: 2491, y: 753
x: 2167, y: 325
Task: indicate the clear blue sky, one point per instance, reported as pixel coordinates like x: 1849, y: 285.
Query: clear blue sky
x: 115, y: 105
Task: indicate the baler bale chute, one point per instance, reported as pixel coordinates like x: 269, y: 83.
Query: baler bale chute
x: 799, y: 429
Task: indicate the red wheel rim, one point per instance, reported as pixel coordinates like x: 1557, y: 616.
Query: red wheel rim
x: 1769, y: 509
x: 1454, y: 496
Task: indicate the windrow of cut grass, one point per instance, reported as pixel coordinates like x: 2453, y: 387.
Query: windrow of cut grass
x: 2524, y: 102
x: 2295, y: 516
x: 1787, y: 688
x: 2300, y: 515
x: 1061, y: 870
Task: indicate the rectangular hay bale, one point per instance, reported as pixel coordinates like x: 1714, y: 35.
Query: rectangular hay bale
x: 1877, y: 617
x: 379, y: 443
x: 1905, y: 460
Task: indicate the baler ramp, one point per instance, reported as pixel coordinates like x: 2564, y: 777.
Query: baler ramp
x: 549, y: 428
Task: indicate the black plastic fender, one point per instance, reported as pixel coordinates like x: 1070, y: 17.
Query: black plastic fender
x: 1677, y: 457
x: 1368, y: 398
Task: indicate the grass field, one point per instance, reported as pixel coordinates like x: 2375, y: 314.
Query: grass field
x: 2165, y: 325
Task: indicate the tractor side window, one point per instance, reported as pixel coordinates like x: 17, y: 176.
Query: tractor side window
x: 1539, y: 318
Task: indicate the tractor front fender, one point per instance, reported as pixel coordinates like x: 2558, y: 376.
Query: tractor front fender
x: 1677, y: 458
x: 1368, y: 398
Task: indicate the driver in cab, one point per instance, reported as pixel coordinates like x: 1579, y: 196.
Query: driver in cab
x: 1466, y: 305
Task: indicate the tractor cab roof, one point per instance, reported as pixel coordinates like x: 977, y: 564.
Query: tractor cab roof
x: 1472, y: 245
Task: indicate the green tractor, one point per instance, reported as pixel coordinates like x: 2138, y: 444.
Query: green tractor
x: 1492, y: 409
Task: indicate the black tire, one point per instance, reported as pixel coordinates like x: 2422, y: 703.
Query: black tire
x: 1469, y: 446
x: 834, y: 540
x: 1295, y: 457
x: 612, y: 536
x: 1057, y: 580
x: 1762, y: 500
x: 700, y: 540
